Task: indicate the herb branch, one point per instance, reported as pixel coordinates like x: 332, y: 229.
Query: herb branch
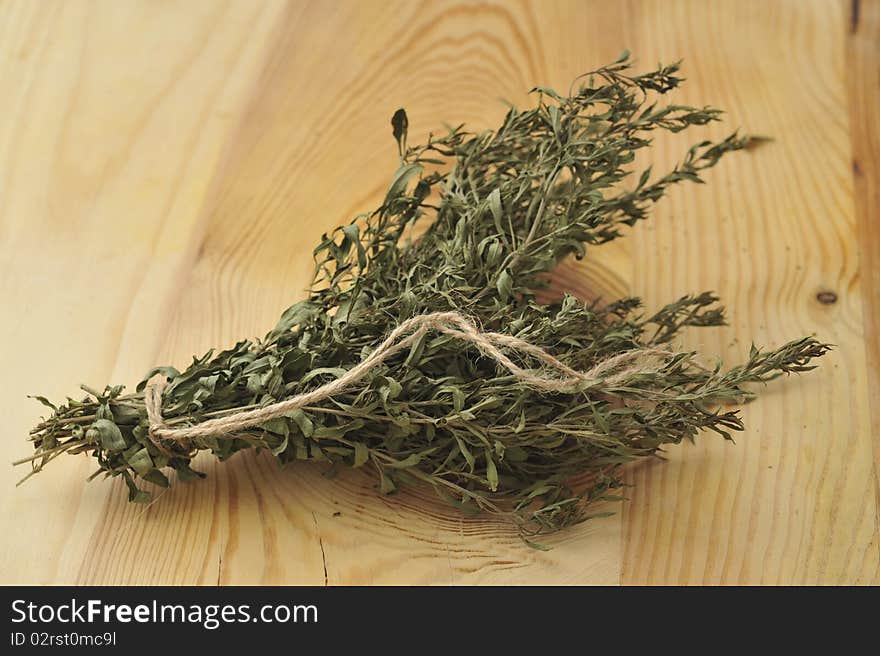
x: 502, y: 209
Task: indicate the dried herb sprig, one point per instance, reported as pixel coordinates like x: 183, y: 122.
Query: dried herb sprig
x: 503, y: 208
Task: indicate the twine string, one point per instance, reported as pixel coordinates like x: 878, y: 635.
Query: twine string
x: 611, y: 371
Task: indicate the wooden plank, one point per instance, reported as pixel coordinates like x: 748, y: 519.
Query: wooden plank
x: 863, y: 76
x: 793, y: 501
x: 116, y: 117
x: 163, y: 188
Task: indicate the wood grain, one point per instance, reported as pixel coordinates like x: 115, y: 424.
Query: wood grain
x: 793, y: 502
x: 165, y: 170
x: 863, y: 55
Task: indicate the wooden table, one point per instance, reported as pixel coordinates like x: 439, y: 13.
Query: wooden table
x: 166, y: 168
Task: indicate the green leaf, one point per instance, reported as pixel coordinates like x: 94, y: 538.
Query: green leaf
x: 301, y: 419
x: 278, y: 426
x: 504, y: 284
x: 282, y: 447
x: 400, y: 125
x: 458, y: 399
x: 335, y: 432
x: 124, y: 415
x: 156, y: 478
x: 354, y: 236
x: 45, y: 402
x: 415, y: 351
x: 538, y: 546
x: 547, y: 91
x: 135, y: 494
x: 410, y: 461
x: 141, y: 462
x: 491, y: 471
x: 361, y: 454
x: 554, y: 118
x: 302, y: 451
x: 109, y: 435
x: 496, y: 209
x: 295, y: 315
x: 468, y: 456
x: 336, y: 372
x: 169, y: 372
x: 186, y: 474
x: 295, y: 363
x: 401, y: 179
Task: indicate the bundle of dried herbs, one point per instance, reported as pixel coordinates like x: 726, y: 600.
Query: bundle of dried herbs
x: 502, y: 209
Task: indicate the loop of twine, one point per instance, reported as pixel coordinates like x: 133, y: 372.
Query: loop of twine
x: 450, y: 323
